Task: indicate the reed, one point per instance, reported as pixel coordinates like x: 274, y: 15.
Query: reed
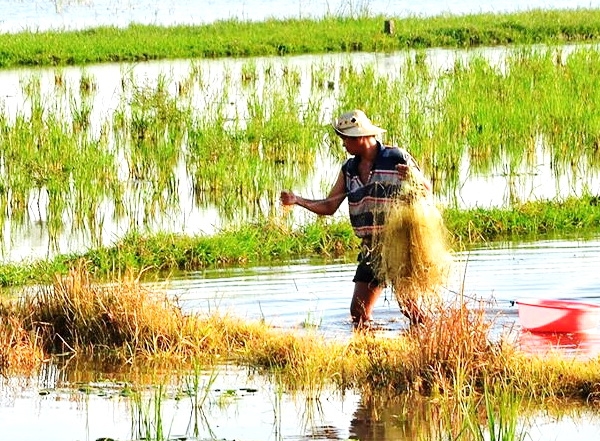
x: 495, y: 413
x: 75, y: 315
x: 19, y: 349
x: 147, y: 416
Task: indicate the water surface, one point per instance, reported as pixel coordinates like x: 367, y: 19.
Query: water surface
x: 301, y: 294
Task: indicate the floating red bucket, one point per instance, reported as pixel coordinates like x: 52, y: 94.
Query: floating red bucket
x: 544, y: 315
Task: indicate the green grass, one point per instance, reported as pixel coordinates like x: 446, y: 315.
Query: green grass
x: 325, y: 239
x: 527, y: 220
x: 235, y: 38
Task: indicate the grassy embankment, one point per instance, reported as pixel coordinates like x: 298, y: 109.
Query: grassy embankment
x: 271, y: 243
x: 233, y: 38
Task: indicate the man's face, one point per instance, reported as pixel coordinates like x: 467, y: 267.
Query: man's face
x: 352, y: 144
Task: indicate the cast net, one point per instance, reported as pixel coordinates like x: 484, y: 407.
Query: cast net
x: 415, y: 257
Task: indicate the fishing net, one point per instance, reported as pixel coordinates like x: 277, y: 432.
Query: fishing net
x: 414, y: 254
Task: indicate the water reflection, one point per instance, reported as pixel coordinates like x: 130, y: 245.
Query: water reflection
x: 396, y: 419
x: 580, y: 345
x: 234, y: 404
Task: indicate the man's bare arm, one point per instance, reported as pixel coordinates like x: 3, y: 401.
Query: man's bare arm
x: 324, y: 207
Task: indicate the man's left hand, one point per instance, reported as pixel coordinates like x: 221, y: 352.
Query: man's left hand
x: 403, y: 171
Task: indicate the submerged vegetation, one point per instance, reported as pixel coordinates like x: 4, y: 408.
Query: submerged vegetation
x: 519, y: 123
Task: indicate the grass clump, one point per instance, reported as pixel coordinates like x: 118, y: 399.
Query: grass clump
x: 75, y: 315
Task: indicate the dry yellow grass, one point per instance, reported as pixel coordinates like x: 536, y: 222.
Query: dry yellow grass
x: 19, y: 350
x: 128, y: 321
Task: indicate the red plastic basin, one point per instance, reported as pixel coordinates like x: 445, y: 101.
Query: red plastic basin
x: 546, y: 315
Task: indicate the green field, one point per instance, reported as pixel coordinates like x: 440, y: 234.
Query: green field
x: 234, y: 38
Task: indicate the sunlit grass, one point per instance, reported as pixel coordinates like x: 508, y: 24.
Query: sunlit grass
x: 356, y: 31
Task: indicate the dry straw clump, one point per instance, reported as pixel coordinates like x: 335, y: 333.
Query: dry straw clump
x: 75, y: 314
x: 19, y: 348
x: 415, y: 257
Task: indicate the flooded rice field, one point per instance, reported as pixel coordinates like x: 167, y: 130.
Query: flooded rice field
x: 167, y: 188
x: 63, y: 403
x: 66, y: 403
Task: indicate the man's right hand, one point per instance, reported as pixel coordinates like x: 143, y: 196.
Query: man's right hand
x: 288, y: 198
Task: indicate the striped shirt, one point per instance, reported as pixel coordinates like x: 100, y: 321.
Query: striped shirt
x: 367, y: 202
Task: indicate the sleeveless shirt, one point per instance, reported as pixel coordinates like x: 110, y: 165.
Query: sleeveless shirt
x: 368, y: 201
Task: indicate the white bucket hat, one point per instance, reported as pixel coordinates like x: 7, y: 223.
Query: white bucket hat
x: 355, y: 124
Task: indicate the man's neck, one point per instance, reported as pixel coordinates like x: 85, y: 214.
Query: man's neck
x: 370, y: 150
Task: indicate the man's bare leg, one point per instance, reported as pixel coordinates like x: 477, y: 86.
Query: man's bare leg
x: 363, y: 300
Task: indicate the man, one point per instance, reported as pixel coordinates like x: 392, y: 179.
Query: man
x: 370, y: 179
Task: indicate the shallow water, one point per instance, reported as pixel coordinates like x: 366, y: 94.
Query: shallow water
x: 243, y: 408
x: 300, y: 295
x: 303, y: 294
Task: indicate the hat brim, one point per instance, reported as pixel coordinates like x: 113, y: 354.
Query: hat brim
x: 357, y: 132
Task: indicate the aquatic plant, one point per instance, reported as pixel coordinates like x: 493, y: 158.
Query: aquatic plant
x: 473, y: 120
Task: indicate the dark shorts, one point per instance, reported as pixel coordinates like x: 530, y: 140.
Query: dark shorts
x: 365, y: 271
